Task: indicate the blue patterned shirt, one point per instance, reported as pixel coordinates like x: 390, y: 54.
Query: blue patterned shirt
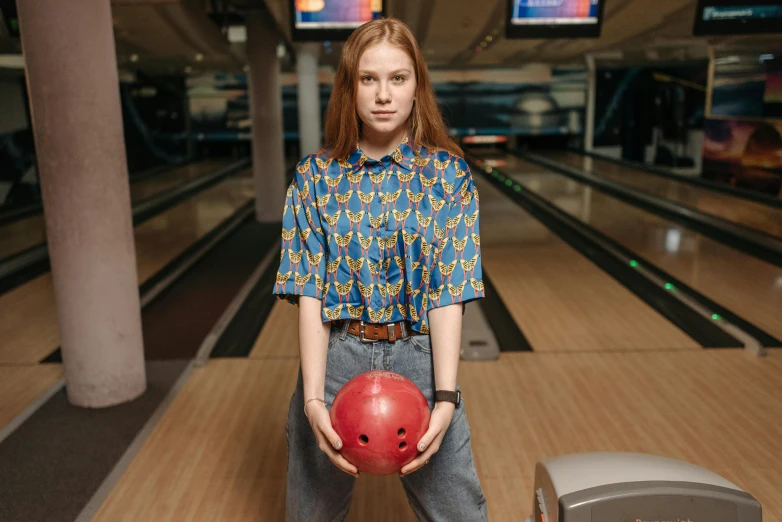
x: 381, y: 241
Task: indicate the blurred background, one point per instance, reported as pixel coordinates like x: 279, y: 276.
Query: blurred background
x: 628, y: 156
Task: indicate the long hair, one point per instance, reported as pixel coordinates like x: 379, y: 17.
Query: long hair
x: 343, y: 126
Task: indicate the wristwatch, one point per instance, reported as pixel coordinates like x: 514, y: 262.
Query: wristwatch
x: 448, y: 396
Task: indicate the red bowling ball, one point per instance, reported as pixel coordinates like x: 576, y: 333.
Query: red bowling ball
x: 380, y: 417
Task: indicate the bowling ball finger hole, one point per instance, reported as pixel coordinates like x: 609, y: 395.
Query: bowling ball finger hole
x: 363, y: 439
x: 402, y: 445
x: 401, y: 432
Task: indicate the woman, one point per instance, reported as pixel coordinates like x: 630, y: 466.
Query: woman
x: 380, y: 251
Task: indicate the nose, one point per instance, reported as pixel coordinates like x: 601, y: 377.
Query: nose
x: 383, y: 95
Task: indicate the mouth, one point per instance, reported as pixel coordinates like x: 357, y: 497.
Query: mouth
x: 383, y: 113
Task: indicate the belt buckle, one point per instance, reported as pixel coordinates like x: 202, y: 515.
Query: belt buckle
x: 361, y: 336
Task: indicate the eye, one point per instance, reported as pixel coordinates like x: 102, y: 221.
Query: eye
x: 399, y: 79
x: 366, y: 79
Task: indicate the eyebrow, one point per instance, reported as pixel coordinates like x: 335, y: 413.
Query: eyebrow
x: 364, y: 71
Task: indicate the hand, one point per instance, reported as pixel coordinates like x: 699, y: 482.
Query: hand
x: 430, y: 442
x: 328, y: 440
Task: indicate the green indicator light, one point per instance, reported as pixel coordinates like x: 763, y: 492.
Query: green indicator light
x: 716, y: 317
x: 634, y: 263
x: 517, y: 188
x: 669, y: 286
x: 509, y: 182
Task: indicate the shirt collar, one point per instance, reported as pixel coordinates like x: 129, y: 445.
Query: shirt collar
x: 404, y: 155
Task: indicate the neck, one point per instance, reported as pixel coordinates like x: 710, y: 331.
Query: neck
x: 376, y: 145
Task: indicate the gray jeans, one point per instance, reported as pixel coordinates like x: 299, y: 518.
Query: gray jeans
x: 445, y: 490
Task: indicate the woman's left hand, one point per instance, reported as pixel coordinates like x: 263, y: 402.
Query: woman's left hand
x: 429, y: 444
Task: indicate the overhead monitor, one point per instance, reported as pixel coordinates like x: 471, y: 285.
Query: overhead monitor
x: 554, y: 18
x: 319, y: 20
x: 727, y: 17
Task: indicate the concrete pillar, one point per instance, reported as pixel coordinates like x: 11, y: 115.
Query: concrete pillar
x: 309, y: 97
x: 266, y: 112
x: 589, y: 125
x: 74, y: 96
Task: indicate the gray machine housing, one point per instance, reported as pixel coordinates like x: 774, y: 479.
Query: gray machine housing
x: 633, y: 487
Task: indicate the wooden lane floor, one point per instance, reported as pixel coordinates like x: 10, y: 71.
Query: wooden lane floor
x: 560, y: 300
x: 152, y: 186
x: 745, y: 285
x: 28, y: 319
x: 738, y: 210
x: 21, y: 385
x: 219, y: 451
x: 279, y: 337
x: 28, y: 232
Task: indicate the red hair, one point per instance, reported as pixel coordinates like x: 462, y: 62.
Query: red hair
x: 343, y: 126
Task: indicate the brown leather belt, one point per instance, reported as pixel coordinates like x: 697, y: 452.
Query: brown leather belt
x: 373, y: 332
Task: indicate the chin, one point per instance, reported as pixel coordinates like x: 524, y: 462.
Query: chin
x: 386, y: 127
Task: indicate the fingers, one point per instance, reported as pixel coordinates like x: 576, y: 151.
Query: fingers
x: 331, y: 435
x: 422, y: 459
x: 419, y: 461
x: 425, y: 449
x: 342, y: 463
x: 338, y: 459
x: 429, y: 444
x: 329, y: 449
x: 427, y: 439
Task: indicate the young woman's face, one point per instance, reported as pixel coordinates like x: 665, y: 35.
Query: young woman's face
x: 386, y: 88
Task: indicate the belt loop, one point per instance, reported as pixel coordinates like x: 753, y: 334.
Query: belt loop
x: 345, y: 327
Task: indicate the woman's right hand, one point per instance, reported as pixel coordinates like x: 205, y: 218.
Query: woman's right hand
x: 328, y: 440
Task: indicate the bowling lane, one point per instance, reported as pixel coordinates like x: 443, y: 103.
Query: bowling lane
x: 279, y: 337
x: 20, y: 386
x: 222, y: 438
x: 560, y: 300
x: 28, y: 318
x: 738, y: 210
x: 748, y: 286
x: 152, y: 186
x: 25, y: 233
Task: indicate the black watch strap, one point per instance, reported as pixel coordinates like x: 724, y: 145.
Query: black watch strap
x: 448, y: 396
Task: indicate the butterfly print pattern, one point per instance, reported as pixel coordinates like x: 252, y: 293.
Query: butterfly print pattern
x: 383, y: 240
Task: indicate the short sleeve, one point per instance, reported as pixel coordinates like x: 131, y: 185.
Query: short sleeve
x: 303, y: 249
x: 456, y: 276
